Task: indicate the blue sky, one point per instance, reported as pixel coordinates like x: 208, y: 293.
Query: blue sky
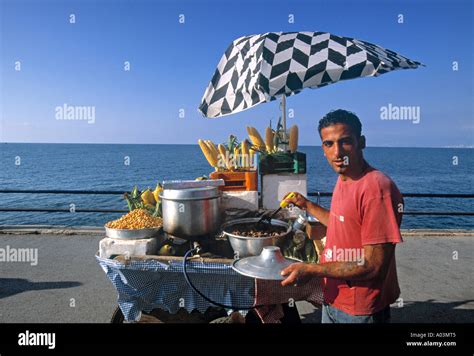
x: 172, y: 63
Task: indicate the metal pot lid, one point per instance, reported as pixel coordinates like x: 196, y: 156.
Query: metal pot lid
x: 190, y: 193
x: 267, y: 265
x: 185, y: 184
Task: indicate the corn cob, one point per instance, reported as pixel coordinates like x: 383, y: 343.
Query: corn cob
x: 276, y: 142
x: 251, y: 158
x: 245, y: 154
x: 210, y: 156
x: 148, y: 197
x: 157, y: 191
x: 256, y: 138
x: 269, y: 139
x: 212, y: 146
x: 223, y: 155
x: 293, y: 138
x: 213, y: 149
x: 236, y: 157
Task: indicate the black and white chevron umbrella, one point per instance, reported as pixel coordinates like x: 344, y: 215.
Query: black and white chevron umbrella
x: 260, y: 68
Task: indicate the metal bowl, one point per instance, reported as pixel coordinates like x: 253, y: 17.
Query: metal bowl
x: 246, y: 246
x: 132, y: 234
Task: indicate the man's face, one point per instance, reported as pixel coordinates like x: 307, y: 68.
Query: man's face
x: 342, y: 148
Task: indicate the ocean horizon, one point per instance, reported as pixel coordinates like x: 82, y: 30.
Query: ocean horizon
x: 109, y: 166
x: 192, y: 144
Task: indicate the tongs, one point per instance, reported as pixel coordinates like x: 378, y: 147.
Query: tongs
x: 267, y: 218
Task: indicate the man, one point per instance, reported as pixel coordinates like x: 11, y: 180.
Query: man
x: 358, y: 261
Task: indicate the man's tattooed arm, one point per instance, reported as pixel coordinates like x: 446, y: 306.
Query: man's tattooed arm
x: 373, y: 263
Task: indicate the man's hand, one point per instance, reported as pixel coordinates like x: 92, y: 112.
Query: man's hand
x: 313, y: 209
x: 373, y: 265
x: 298, y: 273
x: 299, y: 200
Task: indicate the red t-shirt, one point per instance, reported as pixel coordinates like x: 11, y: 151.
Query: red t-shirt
x: 363, y: 212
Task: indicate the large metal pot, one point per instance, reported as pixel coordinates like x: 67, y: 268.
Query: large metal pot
x: 245, y: 246
x: 191, y: 213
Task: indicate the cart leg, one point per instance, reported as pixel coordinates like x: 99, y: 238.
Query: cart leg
x: 117, y: 317
x: 290, y: 316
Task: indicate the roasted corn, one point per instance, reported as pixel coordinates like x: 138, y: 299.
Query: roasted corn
x: 255, y: 138
x: 208, y: 153
x: 293, y: 139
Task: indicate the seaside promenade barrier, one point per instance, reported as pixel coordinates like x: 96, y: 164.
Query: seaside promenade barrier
x: 116, y: 192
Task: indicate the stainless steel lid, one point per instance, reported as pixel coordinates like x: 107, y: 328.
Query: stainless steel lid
x: 267, y: 265
x: 190, y: 193
x: 185, y: 184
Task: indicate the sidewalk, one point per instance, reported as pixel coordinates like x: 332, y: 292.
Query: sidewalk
x: 435, y: 288
x: 67, y: 284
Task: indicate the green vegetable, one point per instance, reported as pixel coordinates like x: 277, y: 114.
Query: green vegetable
x: 134, y: 201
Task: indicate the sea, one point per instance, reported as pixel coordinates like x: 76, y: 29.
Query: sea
x: 122, y: 166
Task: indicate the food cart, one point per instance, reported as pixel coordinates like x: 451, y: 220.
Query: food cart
x: 155, y: 287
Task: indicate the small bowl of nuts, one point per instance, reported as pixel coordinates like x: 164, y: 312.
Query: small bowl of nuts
x: 137, y: 224
x: 248, y: 238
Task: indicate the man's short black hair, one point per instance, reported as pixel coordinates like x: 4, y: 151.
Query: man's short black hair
x: 341, y: 117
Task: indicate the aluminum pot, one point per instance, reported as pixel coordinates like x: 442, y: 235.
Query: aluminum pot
x: 245, y: 246
x: 191, y: 213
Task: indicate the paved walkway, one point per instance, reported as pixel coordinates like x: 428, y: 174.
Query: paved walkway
x: 435, y: 268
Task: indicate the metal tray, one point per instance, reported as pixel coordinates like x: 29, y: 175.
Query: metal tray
x: 267, y: 265
x: 132, y: 234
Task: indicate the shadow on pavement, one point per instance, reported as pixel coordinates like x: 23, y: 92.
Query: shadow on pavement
x: 12, y: 286
x: 432, y: 311
x: 429, y: 311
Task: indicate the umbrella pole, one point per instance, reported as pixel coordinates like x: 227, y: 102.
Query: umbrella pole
x: 283, y: 119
